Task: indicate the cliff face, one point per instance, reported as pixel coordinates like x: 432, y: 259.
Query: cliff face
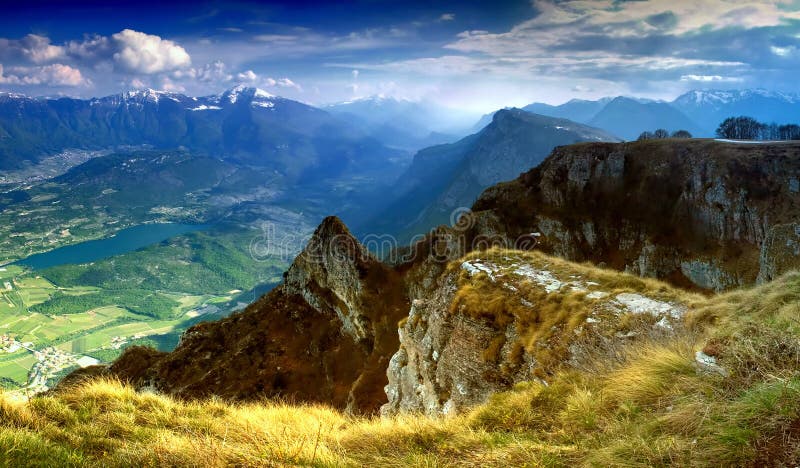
x: 325, y: 335
x: 497, y: 318
x: 708, y: 214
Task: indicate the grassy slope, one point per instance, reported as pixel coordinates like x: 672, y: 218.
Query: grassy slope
x: 649, y: 406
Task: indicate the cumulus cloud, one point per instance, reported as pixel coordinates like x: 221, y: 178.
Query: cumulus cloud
x: 287, y: 83
x: 32, y: 48
x: 39, y: 49
x: 214, y: 72
x: 168, y: 85
x: 447, y: 17
x: 247, y: 76
x: 147, y: 53
x: 90, y: 49
x: 51, y: 75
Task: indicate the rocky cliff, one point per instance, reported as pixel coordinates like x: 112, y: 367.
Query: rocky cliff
x: 324, y: 335
x: 497, y: 318
x: 703, y: 213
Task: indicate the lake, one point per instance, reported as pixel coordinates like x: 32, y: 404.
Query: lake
x: 126, y: 240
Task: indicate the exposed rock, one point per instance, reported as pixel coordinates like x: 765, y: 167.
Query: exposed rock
x: 497, y: 320
x: 325, y: 335
x: 701, y: 213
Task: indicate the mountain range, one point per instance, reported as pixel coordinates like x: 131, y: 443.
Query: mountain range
x: 244, y: 125
x: 698, y: 111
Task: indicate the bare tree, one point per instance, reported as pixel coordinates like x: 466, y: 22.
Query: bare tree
x: 681, y: 134
x: 740, y: 128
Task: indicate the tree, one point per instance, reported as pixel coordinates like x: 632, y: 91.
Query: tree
x: 645, y: 136
x: 789, y: 132
x: 681, y: 134
x: 740, y: 128
x: 661, y: 134
x: 770, y: 132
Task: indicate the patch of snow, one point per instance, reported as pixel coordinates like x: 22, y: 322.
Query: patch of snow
x: 664, y: 323
x: 263, y: 94
x: 267, y: 105
x: 205, y: 107
x: 592, y: 320
x: 742, y: 142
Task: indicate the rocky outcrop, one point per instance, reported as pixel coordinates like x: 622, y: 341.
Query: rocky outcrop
x: 702, y: 213
x: 507, y: 317
x: 324, y: 335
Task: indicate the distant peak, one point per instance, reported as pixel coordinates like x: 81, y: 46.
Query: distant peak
x: 240, y: 91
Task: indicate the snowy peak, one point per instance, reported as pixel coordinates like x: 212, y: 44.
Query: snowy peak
x: 722, y: 97
x: 242, y: 92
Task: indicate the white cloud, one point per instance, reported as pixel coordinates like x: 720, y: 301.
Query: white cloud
x: 51, y: 75
x: 247, y: 76
x: 148, y: 54
x: 168, y: 85
x: 214, y: 72
x: 782, y: 51
x: 287, y: 83
x: 447, y: 17
x: 90, y: 48
x: 711, y: 79
x: 38, y: 49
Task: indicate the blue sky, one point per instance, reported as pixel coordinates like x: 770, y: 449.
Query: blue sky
x: 464, y: 54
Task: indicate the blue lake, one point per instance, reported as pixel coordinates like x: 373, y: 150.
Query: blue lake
x: 126, y: 240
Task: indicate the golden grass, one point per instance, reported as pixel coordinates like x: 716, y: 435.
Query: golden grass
x: 651, y: 405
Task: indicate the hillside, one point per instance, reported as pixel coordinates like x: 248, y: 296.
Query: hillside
x: 718, y: 387
x: 444, y: 178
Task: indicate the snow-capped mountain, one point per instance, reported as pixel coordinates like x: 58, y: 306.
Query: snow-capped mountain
x: 245, y: 124
x: 711, y: 107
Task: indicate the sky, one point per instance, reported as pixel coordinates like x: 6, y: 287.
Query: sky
x: 471, y: 55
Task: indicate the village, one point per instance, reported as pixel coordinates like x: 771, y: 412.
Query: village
x: 49, y: 361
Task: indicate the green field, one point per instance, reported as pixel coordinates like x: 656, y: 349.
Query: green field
x: 148, y: 296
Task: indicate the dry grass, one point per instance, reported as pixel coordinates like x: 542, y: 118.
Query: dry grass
x: 651, y: 405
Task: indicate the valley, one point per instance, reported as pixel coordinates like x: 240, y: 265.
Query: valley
x: 56, y: 319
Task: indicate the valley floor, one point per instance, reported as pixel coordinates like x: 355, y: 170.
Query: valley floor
x: 60, y: 318
x: 723, y: 390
